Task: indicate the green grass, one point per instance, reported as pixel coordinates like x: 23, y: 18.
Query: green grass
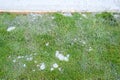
x: 93, y: 43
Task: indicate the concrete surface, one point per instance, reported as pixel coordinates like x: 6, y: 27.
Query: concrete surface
x: 60, y: 5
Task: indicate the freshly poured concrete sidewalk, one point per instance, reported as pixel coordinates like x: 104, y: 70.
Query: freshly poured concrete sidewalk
x: 59, y: 5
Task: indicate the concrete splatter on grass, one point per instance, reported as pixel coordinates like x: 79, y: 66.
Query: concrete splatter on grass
x: 60, y: 69
x: 33, y: 17
x: 52, y: 17
x: 35, y: 61
x: 33, y: 70
x: 10, y: 28
x: 55, y: 65
x: 14, y: 60
x: 83, y: 42
x: 84, y: 15
x: 67, y: 14
x: 61, y: 57
x: 19, y: 57
x: 47, y: 44
x: 29, y: 58
x: 90, y: 49
x: 41, y: 66
x: 51, y: 69
x: 24, y: 65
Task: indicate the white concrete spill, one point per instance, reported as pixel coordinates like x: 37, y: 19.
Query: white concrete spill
x: 61, y: 57
x: 47, y: 44
x: 33, y: 70
x: 83, y: 42
x: 84, y: 15
x: 66, y: 59
x: 52, y: 17
x: 55, y: 65
x: 60, y: 69
x: 67, y: 14
x: 10, y: 28
x: 20, y: 57
x: 35, y: 61
x: 33, y: 17
x: 75, y: 39
x: 29, y: 58
x: 35, y: 54
x: 42, y: 66
x: 51, y: 69
x: 9, y: 56
x: 14, y: 60
x: 90, y: 49
x: 80, y: 18
x: 116, y: 16
x: 24, y: 65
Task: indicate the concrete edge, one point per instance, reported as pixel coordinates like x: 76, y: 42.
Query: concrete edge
x: 43, y: 12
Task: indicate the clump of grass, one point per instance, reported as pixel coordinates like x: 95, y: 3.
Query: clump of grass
x: 64, y: 21
x: 108, y: 18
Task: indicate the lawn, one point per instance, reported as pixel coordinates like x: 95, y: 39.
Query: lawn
x: 60, y: 46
